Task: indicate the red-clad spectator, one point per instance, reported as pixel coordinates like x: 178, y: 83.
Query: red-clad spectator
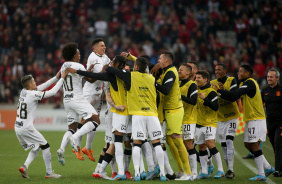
x: 191, y: 22
x: 260, y: 67
x: 184, y: 34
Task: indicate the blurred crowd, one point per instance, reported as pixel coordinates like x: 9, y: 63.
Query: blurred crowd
x: 32, y: 33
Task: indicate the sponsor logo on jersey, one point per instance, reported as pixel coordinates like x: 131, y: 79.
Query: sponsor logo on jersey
x: 278, y: 93
x: 145, y: 108
x: 143, y: 88
x: 69, y: 95
x: 157, y: 133
x: 140, y: 134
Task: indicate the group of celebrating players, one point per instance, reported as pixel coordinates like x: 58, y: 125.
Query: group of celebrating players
x: 147, y: 108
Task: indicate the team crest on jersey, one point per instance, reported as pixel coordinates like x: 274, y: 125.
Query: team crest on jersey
x: 123, y: 127
x: 156, y: 133
x: 278, y: 93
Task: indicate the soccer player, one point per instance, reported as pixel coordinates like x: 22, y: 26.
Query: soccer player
x: 255, y: 128
x: 28, y: 136
x: 75, y: 103
x: 189, y: 95
x: 173, y: 110
x: 271, y: 96
x: 227, y: 118
x: 141, y: 104
x: 92, y: 91
x: 120, y: 119
x: 207, y: 106
x: 194, y: 66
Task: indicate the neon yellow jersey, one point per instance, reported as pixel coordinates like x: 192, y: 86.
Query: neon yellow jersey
x: 172, y: 101
x: 253, y: 107
x: 160, y: 105
x: 119, y: 97
x: 190, y: 111
x: 142, y: 96
x: 205, y: 115
x: 227, y: 110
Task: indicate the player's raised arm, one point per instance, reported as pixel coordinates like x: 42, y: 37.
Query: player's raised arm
x: 46, y: 84
x: 56, y: 88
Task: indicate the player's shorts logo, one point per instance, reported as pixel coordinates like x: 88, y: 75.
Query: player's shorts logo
x: 156, y: 133
x: 123, y: 127
x: 140, y: 134
x: 278, y: 93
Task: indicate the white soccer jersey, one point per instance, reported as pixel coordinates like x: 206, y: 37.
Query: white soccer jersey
x: 73, y: 82
x: 28, y: 102
x: 99, y: 61
x: 27, y: 105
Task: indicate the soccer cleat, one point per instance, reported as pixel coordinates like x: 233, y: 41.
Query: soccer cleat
x: 78, y: 154
x: 157, y: 170
x: 230, y: 174
x: 185, y: 177
x: 119, y: 177
x: 94, y: 174
x: 23, y: 171
x: 53, y: 175
x: 258, y: 178
x: 73, y: 142
x: 89, y: 153
x: 114, y: 174
x: 204, y: 176
x: 102, y: 175
x: 164, y: 178
x: 143, y: 175
x: 171, y: 177
x: 150, y: 175
x: 128, y: 175
x: 61, y: 157
x: 219, y: 174
x: 136, y: 178
x: 269, y: 171
x: 195, y: 176
x: 179, y: 174
x: 210, y: 170
x: 277, y: 174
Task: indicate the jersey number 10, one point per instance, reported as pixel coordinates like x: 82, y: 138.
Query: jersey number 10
x: 68, y: 83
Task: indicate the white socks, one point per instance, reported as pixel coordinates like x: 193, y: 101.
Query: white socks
x: 136, y: 159
x: 89, y: 139
x: 65, y: 141
x: 160, y: 157
x: 31, y: 156
x: 230, y: 154
x: 47, y: 159
x: 166, y: 164
x: 119, y: 157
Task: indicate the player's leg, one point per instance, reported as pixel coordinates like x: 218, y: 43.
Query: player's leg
x: 101, y: 158
x: 188, y: 137
x: 107, y: 159
x: 155, y: 133
x: 210, y: 142
x: 97, y: 104
x: 120, y: 123
x: 255, y: 132
x: 174, y: 130
x: 127, y: 154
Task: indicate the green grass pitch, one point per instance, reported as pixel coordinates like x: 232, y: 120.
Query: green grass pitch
x: 12, y: 156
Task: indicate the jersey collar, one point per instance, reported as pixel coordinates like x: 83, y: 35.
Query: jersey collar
x: 222, y: 80
x: 166, y: 68
x: 98, y: 54
x: 205, y: 86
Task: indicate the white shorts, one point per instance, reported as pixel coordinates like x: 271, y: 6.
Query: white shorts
x: 225, y: 128
x: 188, y: 131
x: 95, y: 101
x: 204, y: 133
x: 146, y: 125
x: 109, y: 136
x: 76, y: 108
x: 163, y: 139
x: 30, y: 139
x: 120, y: 123
x: 255, y: 131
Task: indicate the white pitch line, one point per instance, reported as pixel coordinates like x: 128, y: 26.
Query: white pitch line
x: 252, y: 168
